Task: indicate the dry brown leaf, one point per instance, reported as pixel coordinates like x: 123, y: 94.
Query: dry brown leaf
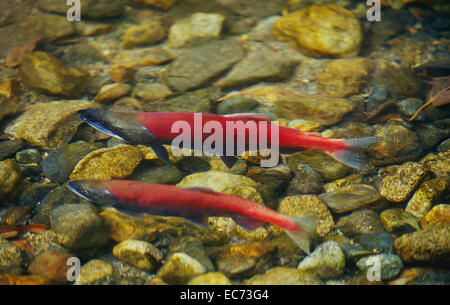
x: 370, y: 116
x: 24, y: 245
x: 7, y: 279
x: 440, y: 92
x: 33, y: 228
x: 16, y: 55
x: 443, y: 97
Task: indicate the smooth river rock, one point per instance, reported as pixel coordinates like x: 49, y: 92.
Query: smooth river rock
x: 49, y: 125
x: 321, y: 31
x: 198, y: 65
x: 351, y: 197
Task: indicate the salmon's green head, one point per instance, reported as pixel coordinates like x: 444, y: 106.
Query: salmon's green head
x: 93, y: 190
x: 121, y: 125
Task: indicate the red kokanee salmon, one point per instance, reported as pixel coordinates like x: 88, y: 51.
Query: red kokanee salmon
x: 195, y: 204
x: 155, y: 129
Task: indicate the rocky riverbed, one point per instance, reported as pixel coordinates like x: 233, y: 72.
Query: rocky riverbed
x: 314, y: 65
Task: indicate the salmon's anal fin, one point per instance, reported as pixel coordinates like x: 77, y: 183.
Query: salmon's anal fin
x: 248, y: 117
x: 229, y: 160
x: 248, y: 223
x: 354, y: 155
x: 307, y: 230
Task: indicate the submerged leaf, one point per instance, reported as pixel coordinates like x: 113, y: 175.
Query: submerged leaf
x: 24, y: 245
x: 440, y: 92
x: 16, y: 55
x: 439, y: 95
x: 7, y: 279
x: 32, y: 228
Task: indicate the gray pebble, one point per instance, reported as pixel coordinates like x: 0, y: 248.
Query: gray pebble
x: 390, y: 265
x: 79, y: 226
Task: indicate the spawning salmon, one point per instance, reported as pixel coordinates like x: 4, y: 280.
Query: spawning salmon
x: 157, y: 128
x: 195, y: 204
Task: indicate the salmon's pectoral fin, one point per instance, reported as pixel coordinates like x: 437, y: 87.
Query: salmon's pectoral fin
x: 248, y: 223
x: 307, y: 231
x: 161, y: 152
x: 229, y: 160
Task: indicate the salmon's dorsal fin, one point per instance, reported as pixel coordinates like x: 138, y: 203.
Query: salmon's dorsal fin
x: 248, y: 117
x: 201, y: 189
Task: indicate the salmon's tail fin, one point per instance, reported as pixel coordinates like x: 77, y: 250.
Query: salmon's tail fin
x: 307, y: 230
x: 354, y: 155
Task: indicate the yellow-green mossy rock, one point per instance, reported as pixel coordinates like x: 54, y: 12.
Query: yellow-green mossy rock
x: 108, y: 163
x: 49, y: 125
x: 180, y: 268
x: 43, y: 72
x: 427, y: 193
x: 397, y: 220
x: 328, y: 168
x: 284, y: 276
x: 147, y: 33
x: 399, y: 181
x: 439, y: 214
x: 224, y: 182
x: 9, y: 176
x: 149, y: 227
x: 210, y: 278
x: 344, y: 77
x: 95, y: 272
x: 425, y: 246
x: 308, y: 206
x: 138, y: 253
x: 323, y: 110
x: 321, y: 31
x: 8, y: 107
x: 438, y: 164
x: 336, y: 184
